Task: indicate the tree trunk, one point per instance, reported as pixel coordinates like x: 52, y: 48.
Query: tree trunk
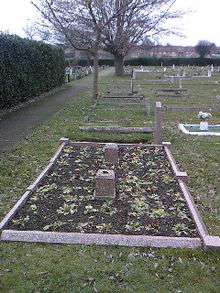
x: 119, y: 65
x: 95, y: 76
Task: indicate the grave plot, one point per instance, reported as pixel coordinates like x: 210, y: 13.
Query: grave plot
x: 127, y: 116
x: 194, y: 129
x: 108, y: 194
x: 148, y: 74
x: 121, y: 103
x: 125, y: 95
x: 172, y: 93
x: 171, y: 90
x: 125, y: 88
x: 116, y: 111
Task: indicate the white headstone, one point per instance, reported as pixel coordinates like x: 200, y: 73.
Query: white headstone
x: 180, y: 83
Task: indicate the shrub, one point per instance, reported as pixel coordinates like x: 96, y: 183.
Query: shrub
x: 154, y: 61
x: 27, y: 69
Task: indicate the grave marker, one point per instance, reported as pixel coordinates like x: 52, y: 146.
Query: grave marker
x: 105, y: 183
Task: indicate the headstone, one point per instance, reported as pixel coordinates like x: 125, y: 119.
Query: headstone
x: 132, y: 85
x: 180, y: 83
x: 111, y: 153
x: 105, y: 184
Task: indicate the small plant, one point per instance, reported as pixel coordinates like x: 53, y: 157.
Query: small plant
x: 47, y: 188
x: 180, y: 229
x: 108, y: 209
x: 158, y: 213
x: 21, y: 221
x: 33, y: 207
x: 139, y: 206
x: 70, y: 198
x: 182, y: 215
x: 89, y: 209
x: 133, y: 226
x: 34, y: 198
x: 68, y: 150
x: 167, y: 179
x: 104, y: 227
x: 54, y: 226
x: 67, y: 190
x: 67, y: 209
x: 82, y: 226
x: 62, y: 162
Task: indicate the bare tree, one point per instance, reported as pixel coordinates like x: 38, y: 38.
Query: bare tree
x: 137, y: 20
x: 81, y: 22
x: 30, y: 31
x: 204, y: 48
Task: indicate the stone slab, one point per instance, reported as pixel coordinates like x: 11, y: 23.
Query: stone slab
x: 101, y: 239
x: 212, y: 242
x: 123, y: 130
x: 91, y: 143
x: 172, y: 161
x: 201, y: 228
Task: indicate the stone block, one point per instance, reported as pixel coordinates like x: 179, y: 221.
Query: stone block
x: 212, y: 242
x: 111, y: 153
x: 182, y: 176
x: 105, y: 183
x: 167, y: 144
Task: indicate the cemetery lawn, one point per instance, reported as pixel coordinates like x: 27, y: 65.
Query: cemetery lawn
x: 75, y: 268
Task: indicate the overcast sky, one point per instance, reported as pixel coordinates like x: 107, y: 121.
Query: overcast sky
x: 202, y: 23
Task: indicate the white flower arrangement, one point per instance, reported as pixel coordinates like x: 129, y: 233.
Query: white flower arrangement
x: 203, y: 116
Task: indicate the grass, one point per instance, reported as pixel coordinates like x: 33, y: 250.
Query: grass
x: 63, y: 268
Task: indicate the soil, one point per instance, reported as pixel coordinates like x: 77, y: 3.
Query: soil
x: 148, y: 198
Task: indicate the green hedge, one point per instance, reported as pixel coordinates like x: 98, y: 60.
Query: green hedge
x: 153, y: 61
x: 27, y: 69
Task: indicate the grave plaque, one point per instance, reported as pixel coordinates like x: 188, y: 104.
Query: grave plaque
x: 105, y: 183
x: 111, y: 153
